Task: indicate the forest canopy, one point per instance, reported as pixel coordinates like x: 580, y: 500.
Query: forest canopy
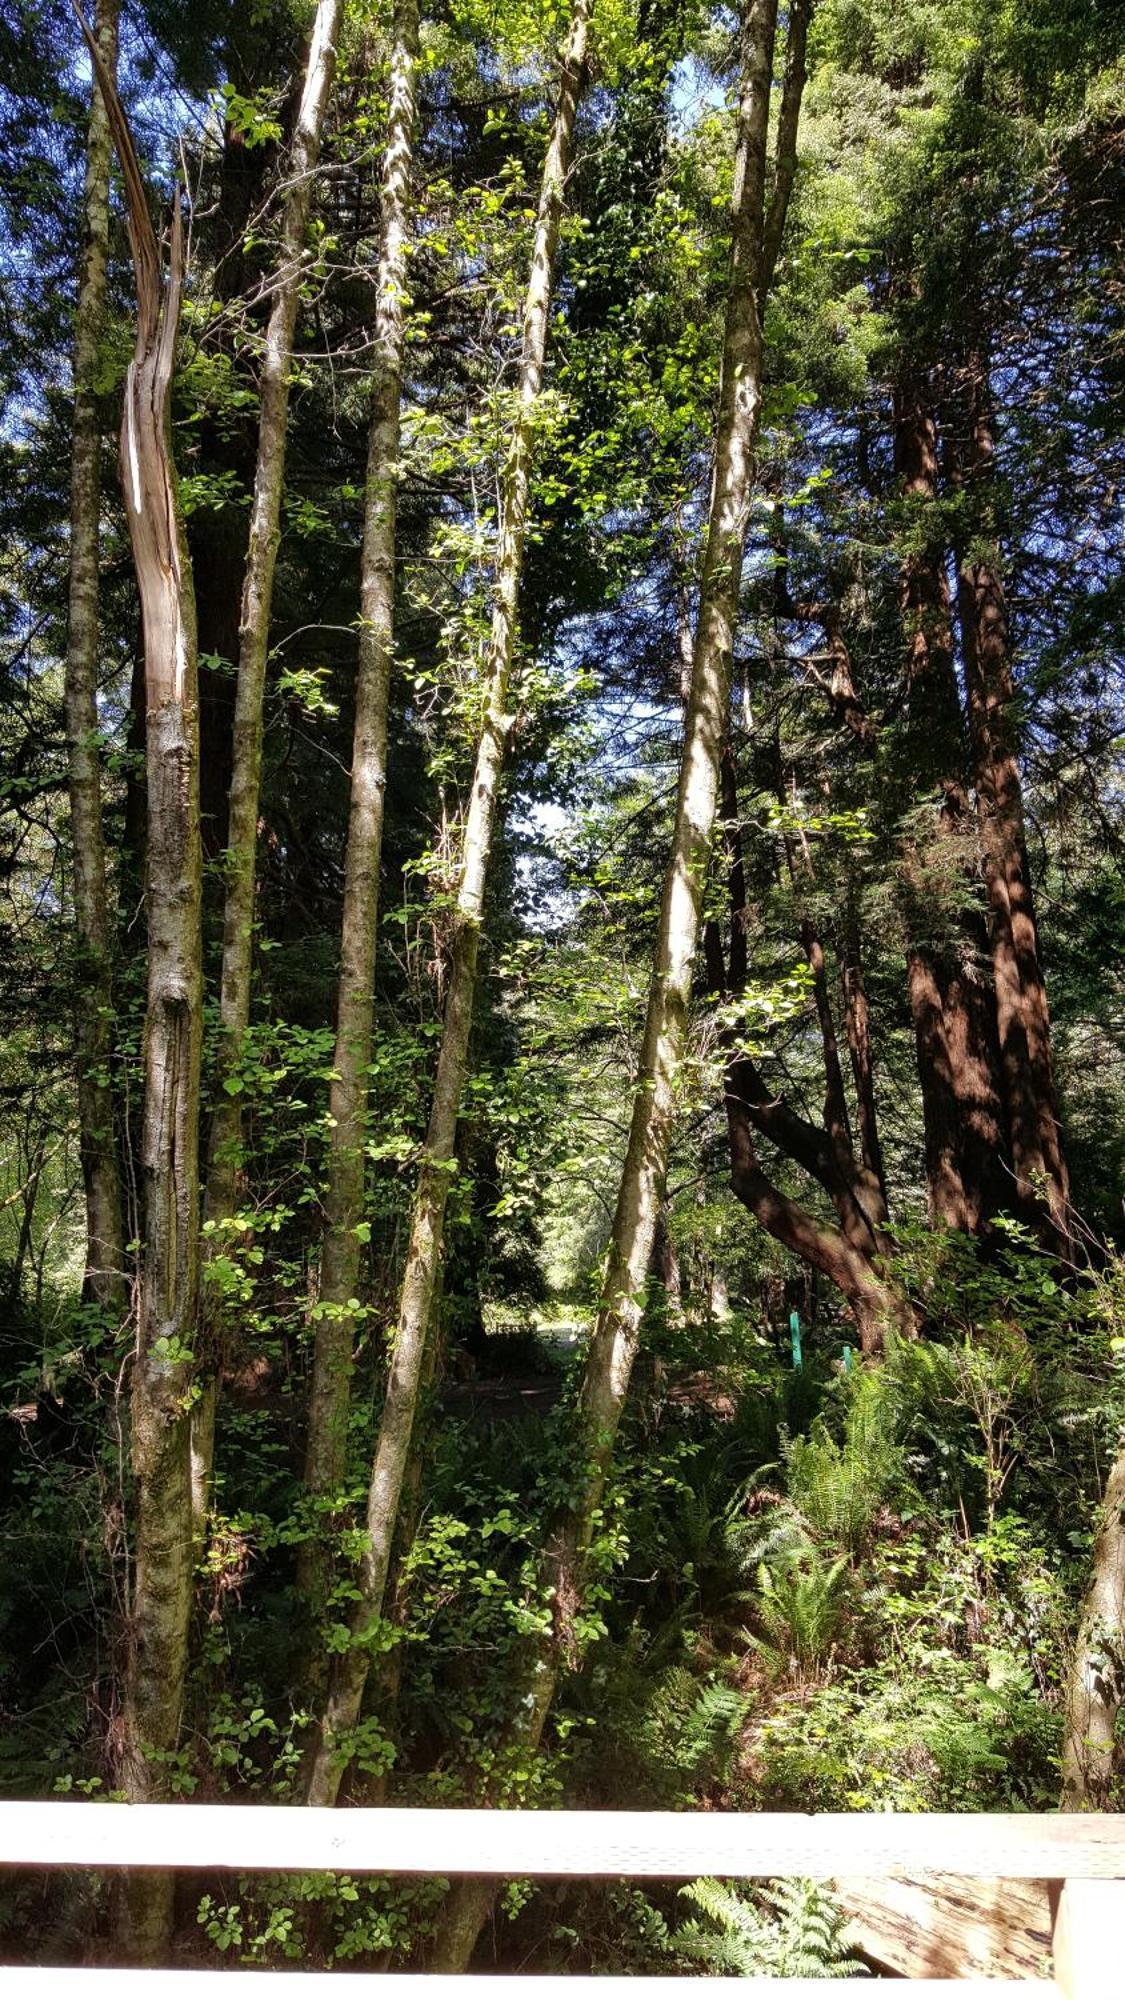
x: 562, y: 1088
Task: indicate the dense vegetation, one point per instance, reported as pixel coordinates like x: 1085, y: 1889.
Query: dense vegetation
x: 562, y: 1100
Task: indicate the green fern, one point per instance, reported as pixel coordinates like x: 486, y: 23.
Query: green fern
x: 693, y: 1729
x: 839, y: 1487
x: 792, y: 1930
x: 801, y: 1605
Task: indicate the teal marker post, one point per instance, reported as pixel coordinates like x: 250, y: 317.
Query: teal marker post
x: 849, y: 1357
x: 795, y: 1337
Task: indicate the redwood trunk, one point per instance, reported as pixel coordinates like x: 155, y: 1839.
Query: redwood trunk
x: 949, y: 1000
x: 1023, y: 1018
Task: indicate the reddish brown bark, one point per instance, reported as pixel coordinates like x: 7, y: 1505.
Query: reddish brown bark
x: 950, y: 1002
x: 857, y: 1027
x: 850, y: 1252
x: 1022, y: 1014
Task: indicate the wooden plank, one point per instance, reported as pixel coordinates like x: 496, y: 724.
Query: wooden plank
x: 946, y: 1926
x: 104, y: 1983
x: 1090, y: 1940
x: 415, y: 1841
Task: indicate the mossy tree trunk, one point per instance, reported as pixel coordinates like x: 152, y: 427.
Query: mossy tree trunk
x: 105, y: 1250
x: 341, y: 1249
x: 613, y: 1341
x: 424, y: 1251
x: 224, y: 1149
x: 1096, y: 1684
x: 159, y: 1589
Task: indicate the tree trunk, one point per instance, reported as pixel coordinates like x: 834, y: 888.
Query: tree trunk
x: 160, y: 1593
x: 343, y: 1199
x: 857, y: 1027
x: 1096, y: 1683
x: 105, y: 1249
x: 1023, y: 1019
x: 874, y: 1303
x: 613, y: 1342
x: 224, y: 1161
x: 949, y: 1002
x: 424, y: 1252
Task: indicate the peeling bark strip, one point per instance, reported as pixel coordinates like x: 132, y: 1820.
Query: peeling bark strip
x: 613, y: 1342
x: 223, y: 1160
x: 1096, y: 1684
x: 343, y: 1198
x: 438, y: 1160
x: 105, y: 1254
x: 160, y: 1597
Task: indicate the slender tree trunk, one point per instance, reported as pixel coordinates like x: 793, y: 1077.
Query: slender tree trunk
x: 343, y: 1199
x: 424, y: 1253
x: 857, y: 1027
x: 961, y: 1104
x: 613, y: 1342
x: 1096, y: 1683
x: 224, y: 1151
x: 1023, y: 1018
x: 160, y: 1595
x: 105, y: 1250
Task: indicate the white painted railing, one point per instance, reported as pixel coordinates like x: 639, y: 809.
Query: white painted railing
x: 1083, y: 1854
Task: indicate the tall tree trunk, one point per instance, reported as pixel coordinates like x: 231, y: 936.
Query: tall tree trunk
x: 224, y: 1151
x: 857, y: 1027
x: 613, y: 1341
x: 105, y: 1248
x: 1023, y: 1018
x: 160, y: 1594
x: 1096, y: 1683
x: 343, y: 1199
x: 349, y: 1672
x: 949, y: 1001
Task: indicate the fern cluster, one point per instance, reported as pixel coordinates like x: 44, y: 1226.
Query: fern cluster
x: 839, y: 1486
x: 790, y: 1930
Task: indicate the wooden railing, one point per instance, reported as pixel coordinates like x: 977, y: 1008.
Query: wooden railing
x: 1083, y: 1856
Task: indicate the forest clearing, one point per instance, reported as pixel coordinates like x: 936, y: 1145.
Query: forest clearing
x: 562, y: 940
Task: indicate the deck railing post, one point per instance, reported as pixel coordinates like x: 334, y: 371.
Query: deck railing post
x: 1089, y: 1940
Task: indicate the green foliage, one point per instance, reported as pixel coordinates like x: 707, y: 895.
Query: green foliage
x: 839, y: 1484
x: 792, y: 1930
x: 800, y: 1606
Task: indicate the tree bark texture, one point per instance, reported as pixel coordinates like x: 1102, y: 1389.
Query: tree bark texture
x: 613, y: 1341
x: 947, y: 984
x: 160, y: 1585
x: 424, y: 1249
x: 1096, y: 1682
x: 326, y: 1446
x: 105, y: 1249
x: 1023, y: 1017
x: 223, y: 1162
x: 857, y: 1027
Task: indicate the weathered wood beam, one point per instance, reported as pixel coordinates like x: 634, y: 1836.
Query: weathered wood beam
x: 417, y: 1841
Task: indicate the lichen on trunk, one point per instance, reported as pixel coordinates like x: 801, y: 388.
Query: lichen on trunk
x: 341, y: 1252
x: 105, y: 1247
x: 159, y: 1597
x: 225, y: 1142
x: 427, y: 1222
